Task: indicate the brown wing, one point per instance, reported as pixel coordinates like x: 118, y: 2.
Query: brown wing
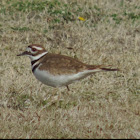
x: 60, y: 64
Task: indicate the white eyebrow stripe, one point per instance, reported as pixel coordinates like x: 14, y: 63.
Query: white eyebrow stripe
x: 38, y: 48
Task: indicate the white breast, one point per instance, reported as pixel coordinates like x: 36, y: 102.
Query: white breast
x: 60, y: 80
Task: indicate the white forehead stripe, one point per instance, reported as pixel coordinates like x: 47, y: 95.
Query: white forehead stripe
x: 38, y: 48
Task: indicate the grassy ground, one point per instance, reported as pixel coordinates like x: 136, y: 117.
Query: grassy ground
x: 105, y: 105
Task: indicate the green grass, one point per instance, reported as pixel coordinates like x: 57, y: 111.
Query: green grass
x: 60, y: 12
x: 105, y: 105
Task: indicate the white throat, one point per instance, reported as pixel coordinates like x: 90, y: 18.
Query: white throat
x: 33, y: 58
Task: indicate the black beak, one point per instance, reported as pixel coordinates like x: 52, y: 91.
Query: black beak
x: 24, y: 53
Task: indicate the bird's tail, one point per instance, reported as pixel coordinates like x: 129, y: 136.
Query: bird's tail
x: 109, y: 69
x: 101, y: 67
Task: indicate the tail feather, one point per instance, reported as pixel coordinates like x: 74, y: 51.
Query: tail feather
x: 92, y: 67
x: 107, y: 69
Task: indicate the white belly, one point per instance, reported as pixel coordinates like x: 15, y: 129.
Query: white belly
x: 60, y: 80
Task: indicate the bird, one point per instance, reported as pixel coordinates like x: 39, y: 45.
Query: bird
x: 58, y: 70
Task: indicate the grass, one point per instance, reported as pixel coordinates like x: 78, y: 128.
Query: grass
x: 105, y: 105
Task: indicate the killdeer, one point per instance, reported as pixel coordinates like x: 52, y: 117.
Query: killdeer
x: 58, y: 70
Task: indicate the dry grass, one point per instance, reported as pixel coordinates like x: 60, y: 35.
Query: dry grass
x: 105, y: 105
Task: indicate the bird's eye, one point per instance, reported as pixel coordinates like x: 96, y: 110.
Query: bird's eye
x: 33, y: 49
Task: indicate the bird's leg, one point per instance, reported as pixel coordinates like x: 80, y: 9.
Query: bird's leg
x: 68, y: 88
